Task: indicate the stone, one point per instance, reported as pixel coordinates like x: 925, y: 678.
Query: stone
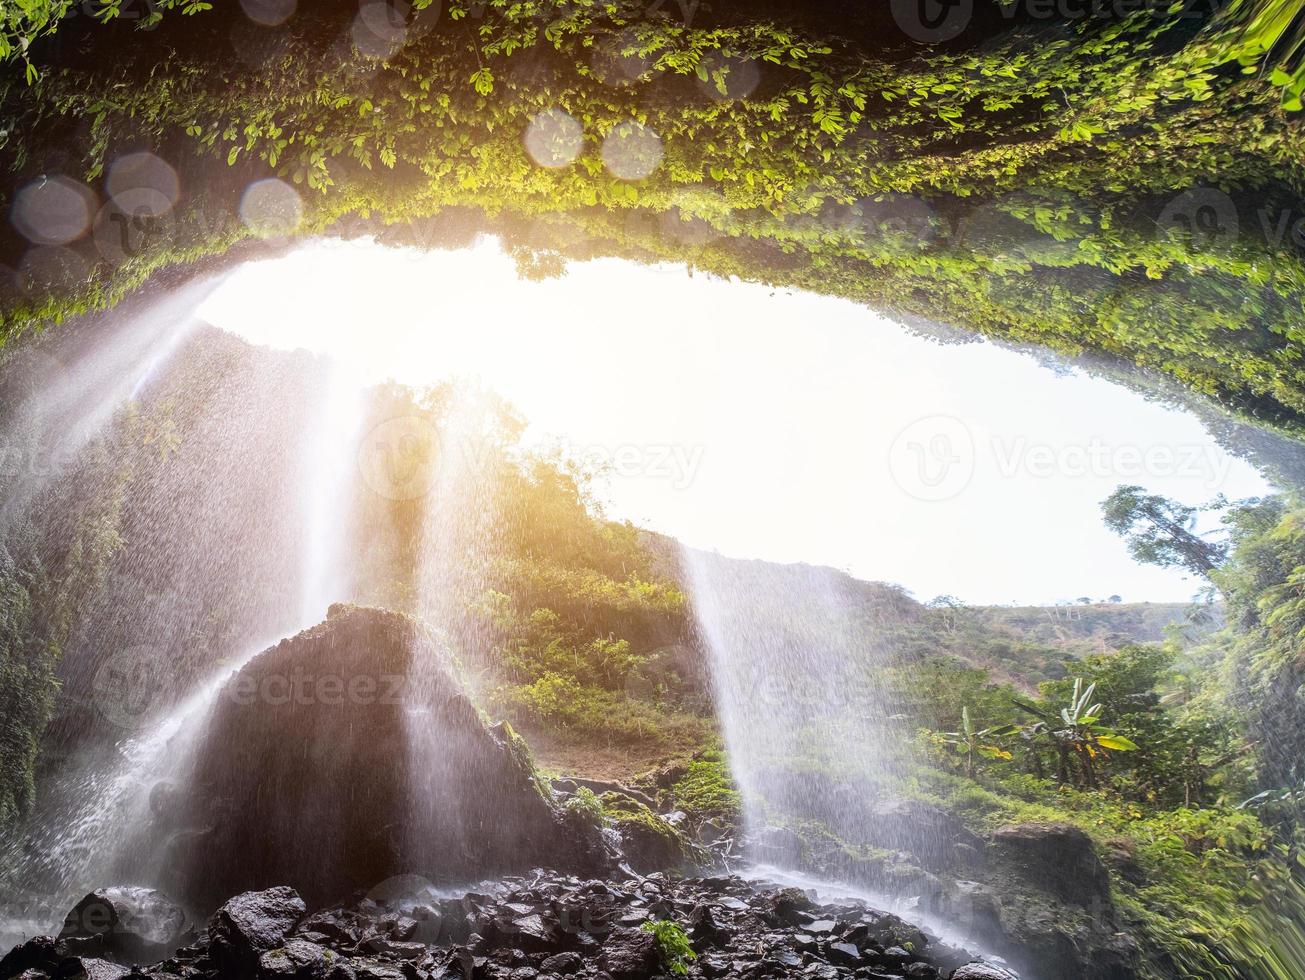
x: 787, y: 904
x: 629, y: 954
x: 297, y: 958
x: 844, y: 954
x: 89, y: 968
x: 980, y: 971
x: 704, y: 929
x: 40, y: 953
x: 929, y: 834
x: 563, y: 963
x: 266, y: 935
x: 896, y: 955
x: 1057, y: 858
x: 251, y: 924
x: 130, y: 923
x: 335, y: 803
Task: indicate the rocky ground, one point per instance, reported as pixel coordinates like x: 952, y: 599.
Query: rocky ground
x: 542, y: 925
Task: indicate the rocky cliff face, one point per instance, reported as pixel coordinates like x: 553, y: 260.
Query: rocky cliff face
x: 351, y: 753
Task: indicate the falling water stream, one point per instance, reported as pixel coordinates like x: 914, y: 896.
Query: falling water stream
x: 263, y: 474
x: 805, y: 708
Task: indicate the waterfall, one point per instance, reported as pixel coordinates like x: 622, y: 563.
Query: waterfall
x: 331, y: 446
x: 239, y: 510
x: 453, y: 567
x: 803, y: 686
x: 57, y: 395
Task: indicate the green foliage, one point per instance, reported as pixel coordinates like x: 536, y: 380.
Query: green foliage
x: 22, y: 22
x: 707, y: 790
x: 1014, y: 189
x: 625, y: 811
x: 971, y: 744
x: 672, y: 944
x: 42, y: 601
x: 1267, y: 35
x: 585, y: 805
x: 1159, y: 530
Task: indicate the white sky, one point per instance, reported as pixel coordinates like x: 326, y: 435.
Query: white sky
x: 763, y: 423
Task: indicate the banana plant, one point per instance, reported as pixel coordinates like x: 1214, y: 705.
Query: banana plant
x: 974, y: 744
x: 1078, y: 730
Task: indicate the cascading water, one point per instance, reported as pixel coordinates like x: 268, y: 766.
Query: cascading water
x: 457, y: 548
x: 331, y: 457
x: 804, y: 689
x: 237, y: 516
x: 812, y: 694
x: 55, y: 398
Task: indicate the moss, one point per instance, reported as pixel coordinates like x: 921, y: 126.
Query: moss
x: 1208, y: 876
x: 525, y: 759
x: 707, y: 790
x: 650, y: 842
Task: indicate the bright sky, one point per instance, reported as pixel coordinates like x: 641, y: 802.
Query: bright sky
x: 767, y: 424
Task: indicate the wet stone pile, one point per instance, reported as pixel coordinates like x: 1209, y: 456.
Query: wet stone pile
x: 543, y: 925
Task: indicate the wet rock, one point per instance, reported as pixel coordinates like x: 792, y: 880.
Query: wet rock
x: 89, y: 968
x: 563, y: 963
x: 40, y: 953
x: 547, y: 925
x: 788, y: 903
x: 648, y: 842
x: 629, y: 954
x: 844, y: 954
x: 980, y: 971
x: 1057, y: 858
x: 252, y: 924
x: 777, y: 845
x: 928, y: 833
x: 298, y: 958
x: 326, y: 715
x: 126, y: 922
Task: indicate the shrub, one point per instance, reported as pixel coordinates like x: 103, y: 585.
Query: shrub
x: 672, y: 944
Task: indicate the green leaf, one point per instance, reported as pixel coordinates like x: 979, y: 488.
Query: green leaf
x: 1117, y: 742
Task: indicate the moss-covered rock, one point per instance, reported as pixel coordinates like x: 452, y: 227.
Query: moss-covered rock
x: 649, y: 842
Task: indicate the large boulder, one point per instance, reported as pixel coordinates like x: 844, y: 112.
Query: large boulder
x: 39, y: 955
x: 252, y: 924
x: 125, y: 922
x: 1057, y: 858
x: 648, y: 841
x: 350, y: 753
x: 1044, y: 902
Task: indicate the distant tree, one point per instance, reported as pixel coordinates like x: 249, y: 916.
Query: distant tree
x: 1084, y: 600
x: 949, y: 610
x: 1159, y: 530
x: 1115, y: 599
